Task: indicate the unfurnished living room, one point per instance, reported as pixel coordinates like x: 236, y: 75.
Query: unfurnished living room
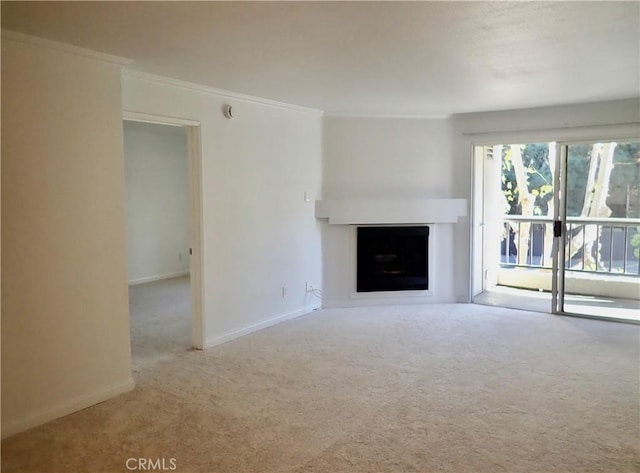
x: 286, y: 237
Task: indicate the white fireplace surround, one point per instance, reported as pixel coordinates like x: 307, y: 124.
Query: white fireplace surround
x: 398, y: 212
x: 394, y: 211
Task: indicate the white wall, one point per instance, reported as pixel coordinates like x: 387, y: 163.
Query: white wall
x: 601, y: 120
x: 65, y: 319
x: 368, y: 158
x: 157, y: 201
x: 258, y: 232
x: 65, y: 327
x: 387, y: 158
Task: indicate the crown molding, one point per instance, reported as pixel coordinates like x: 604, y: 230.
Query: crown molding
x: 64, y: 47
x: 408, y: 116
x: 132, y: 73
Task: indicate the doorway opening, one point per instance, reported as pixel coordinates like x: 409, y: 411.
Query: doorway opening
x: 161, y: 227
x: 557, y: 228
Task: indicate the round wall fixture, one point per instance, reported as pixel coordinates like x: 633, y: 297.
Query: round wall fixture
x: 229, y: 112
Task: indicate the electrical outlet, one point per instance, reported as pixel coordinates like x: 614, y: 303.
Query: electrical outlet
x: 308, y: 287
x: 284, y: 291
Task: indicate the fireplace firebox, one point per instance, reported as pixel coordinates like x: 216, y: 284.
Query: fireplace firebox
x: 392, y: 259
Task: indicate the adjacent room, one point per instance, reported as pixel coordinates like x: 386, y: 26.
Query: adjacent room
x: 295, y: 236
x: 157, y: 222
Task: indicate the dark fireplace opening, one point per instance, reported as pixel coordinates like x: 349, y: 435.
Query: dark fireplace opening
x: 392, y: 259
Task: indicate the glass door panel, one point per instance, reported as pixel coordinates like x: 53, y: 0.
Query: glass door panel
x: 598, y: 270
x: 517, y: 222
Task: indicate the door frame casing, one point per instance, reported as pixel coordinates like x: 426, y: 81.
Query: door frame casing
x: 194, y: 152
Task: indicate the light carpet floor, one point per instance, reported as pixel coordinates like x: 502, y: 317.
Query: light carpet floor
x: 438, y: 388
x: 160, y: 321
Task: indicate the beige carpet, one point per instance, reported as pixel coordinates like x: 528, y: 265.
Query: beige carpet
x: 442, y: 388
x: 160, y: 321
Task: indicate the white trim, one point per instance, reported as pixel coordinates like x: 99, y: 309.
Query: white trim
x: 355, y: 295
x: 390, y: 211
x: 383, y: 302
x: 157, y: 120
x: 474, y: 225
x: 198, y: 321
x: 564, y: 134
x: 66, y: 408
x: 408, y: 116
x: 128, y: 72
x: 228, y: 336
x: 64, y: 47
x: 160, y: 277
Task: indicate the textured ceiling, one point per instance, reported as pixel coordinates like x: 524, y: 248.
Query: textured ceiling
x: 387, y: 58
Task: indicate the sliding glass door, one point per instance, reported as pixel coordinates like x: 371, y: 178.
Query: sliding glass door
x: 596, y: 229
x: 514, y: 213
x: 557, y: 227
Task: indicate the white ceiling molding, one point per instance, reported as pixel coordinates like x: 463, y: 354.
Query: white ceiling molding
x: 385, y: 115
x: 66, y: 48
x: 616, y: 131
x: 128, y: 72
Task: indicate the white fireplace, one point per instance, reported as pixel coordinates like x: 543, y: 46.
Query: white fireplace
x: 344, y: 217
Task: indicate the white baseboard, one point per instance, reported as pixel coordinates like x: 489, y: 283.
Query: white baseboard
x: 133, y: 282
x: 73, y: 405
x: 228, y: 336
x: 347, y: 303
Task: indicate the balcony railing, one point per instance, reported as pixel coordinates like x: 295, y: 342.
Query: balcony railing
x: 597, y: 245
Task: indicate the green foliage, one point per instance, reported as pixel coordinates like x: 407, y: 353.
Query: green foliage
x: 535, y: 158
x: 635, y: 243
x: 624, y: 196
x: 624, y: 192
x: 578, y: 159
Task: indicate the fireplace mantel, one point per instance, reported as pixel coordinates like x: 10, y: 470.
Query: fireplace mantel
x: 364, y: 211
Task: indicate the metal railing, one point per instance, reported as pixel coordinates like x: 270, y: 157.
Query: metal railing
x: 597, y: 245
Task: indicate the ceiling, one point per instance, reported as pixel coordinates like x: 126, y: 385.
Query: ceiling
x: 366, y: 58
